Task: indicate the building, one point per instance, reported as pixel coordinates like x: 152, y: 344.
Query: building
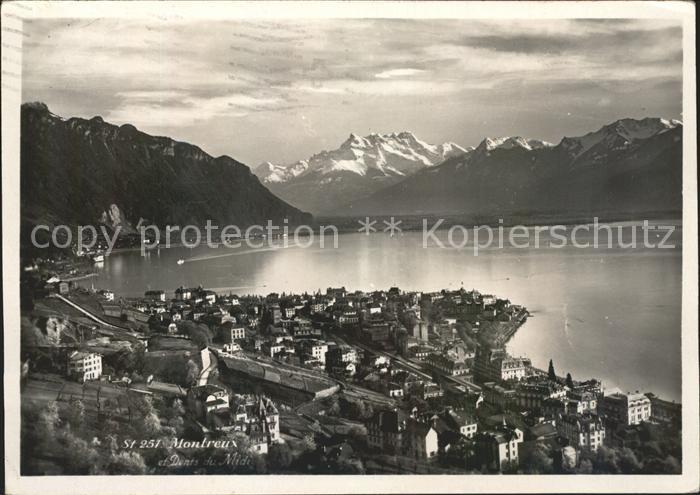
x: 376, y: 332
x: 258, y: 418
x: 108, y: 295
x: 394, y: 390
x: 587, y: 401
x: 315, y: 349
x: 496, y: 365
x: 288, y: 311
x: 420, y: 352
x: 582, y: 431
x: 183, y: 294
x: 272, y: 348
x: 85, y: 366
x: 318, y: 305
x: 460, y: 422
x: 341, y: 360
x: 336, y: 293
x: 231, y: 333
x: 665, y: 411
x: 113, y: 310
x: 553, y: 408
x: 532, y: 395
x: 301, y: 327
x: 217, y: 399
x: 385, y: 431
x: 630, y: 409
x: 432, y: 390
x: 497, y: 395
x: 155, y: 295
x: 422, y: 440
x: 393, y: 432
x: 447, y: 365
x: 498, y: 448
x: 275, y: 313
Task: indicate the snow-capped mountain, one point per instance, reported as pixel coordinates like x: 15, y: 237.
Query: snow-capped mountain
x: 269, y: 172
x: 620, y: 133
x: 490, y: 144
x: 359, y: 166
x: 628, y: 166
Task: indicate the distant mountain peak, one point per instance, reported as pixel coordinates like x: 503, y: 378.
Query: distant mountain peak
x: 490, y: 144
x: 360, y: 165
x: 630, y: 166
x: 394, y: 154
x: 627, y: 129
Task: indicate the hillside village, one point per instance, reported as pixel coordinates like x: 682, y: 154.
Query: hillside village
x: 334, y: 381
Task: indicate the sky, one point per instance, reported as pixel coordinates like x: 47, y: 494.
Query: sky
x: 284, y: 90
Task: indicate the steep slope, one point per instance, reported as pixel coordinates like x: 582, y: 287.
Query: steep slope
x: 79, y: 171
x: 628, y: 166
x: 358, y: 167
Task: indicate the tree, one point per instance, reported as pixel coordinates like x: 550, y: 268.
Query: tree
x: 610, y: 460
x: 629, y: 464
x: 192, y: 373
x: 460, y: 454
x: 308, y: 443
x: 349, y: 466
x: 569, y: 381
x: 75, y: 414
x: 586, y: 467
x: 49, y: 419
x: 279, y: 456
x: 353, y: 409
x: 550, y: 372
x: 334, y: 409
x: 538, y: 460
x: 78, y: 455
x: 125, y: 463
x: 151, y: 425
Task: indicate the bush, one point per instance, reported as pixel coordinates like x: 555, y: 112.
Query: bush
x: 125, y: 463
x: 279, y: 456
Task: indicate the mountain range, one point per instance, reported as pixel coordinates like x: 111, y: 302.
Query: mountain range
x: 77, y: 171
x: 360, y: 166
x: 629, y: 166
x: 86, y: 171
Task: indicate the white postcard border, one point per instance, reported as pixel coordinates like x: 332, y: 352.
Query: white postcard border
x: 12, y: 15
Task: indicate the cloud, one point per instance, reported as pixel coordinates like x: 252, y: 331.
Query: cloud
x: 209, y: 80
x: 398, y: 73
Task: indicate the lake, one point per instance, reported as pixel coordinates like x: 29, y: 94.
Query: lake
x: 609, y: 313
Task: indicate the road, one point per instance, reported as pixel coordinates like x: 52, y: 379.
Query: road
x: 50, y: 387
x: 209, y: 364
x: 94, y: 317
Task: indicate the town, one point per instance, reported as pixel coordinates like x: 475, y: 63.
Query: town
x: 335, y: 381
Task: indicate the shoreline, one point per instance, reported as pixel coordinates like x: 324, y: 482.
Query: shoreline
x: 412, y: 228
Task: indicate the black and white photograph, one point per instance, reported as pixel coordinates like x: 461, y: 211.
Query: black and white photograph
x: 450, y: 246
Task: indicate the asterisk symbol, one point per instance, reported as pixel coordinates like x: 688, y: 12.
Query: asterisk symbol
x: 392, y: 226
x: 367, y: 226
